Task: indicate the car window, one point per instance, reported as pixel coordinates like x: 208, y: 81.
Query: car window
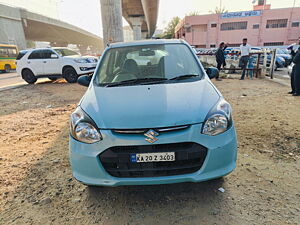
x: 65, y: 52
x: 37, y: 54
x: 21, y: 54
x: 47, y: 54
x: 152, y: 61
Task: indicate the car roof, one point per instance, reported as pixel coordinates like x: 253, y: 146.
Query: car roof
x: 147, y: 42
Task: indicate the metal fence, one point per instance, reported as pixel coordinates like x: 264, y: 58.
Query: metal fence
x: 263, y: 61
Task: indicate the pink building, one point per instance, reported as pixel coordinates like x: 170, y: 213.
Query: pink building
x: 263, y: 27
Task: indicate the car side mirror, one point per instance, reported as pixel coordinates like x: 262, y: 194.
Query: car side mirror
x: 212, y: 72
x: 84, y: 80
x: 54, y: 56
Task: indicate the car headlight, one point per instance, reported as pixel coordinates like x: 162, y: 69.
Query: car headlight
x: 83, y: 128
x: 218, y: 120
x: 81, y: 60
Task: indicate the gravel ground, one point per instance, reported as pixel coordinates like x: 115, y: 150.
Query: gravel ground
x: 36, y: 185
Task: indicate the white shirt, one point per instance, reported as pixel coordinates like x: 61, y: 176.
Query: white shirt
x: 296, y: 47
x: 245, y: 50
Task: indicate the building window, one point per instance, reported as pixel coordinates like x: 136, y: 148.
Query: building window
x: 212, y: 46
x: 295, y: 24
x: 277, y: 23
x: 234, y: 26
x: 273, y: 43
x: 213, y: 25
x: 199, y: 28
x: 255, y: 26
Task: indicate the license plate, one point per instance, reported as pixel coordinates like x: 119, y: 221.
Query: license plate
x: 152, y: 157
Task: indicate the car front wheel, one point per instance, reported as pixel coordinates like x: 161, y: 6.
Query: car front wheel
x: 70, y: 75
x: 29, y: 77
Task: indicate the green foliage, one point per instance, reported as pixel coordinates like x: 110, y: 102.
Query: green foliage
x: 30, y: 44
x: 169, y: 32
x: 219, y: 10
x: 195, y: 13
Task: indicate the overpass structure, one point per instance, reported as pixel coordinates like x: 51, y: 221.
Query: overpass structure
x: 142, y: 16
x: 18, y: 25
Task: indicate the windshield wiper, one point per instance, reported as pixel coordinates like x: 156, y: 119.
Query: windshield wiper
x: 182, y: 77
x: 136, y: 81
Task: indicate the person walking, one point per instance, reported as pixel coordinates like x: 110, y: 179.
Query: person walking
x: 296, y: 74
x: 245, y: 54
x: 220, y: 58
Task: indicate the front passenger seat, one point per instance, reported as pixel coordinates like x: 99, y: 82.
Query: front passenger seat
x: 131, y: 66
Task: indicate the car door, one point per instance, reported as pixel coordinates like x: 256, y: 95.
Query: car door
x: 35, y: 62
x: 52, y: 62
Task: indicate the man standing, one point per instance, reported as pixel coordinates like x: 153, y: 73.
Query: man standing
x: 296, y: 74
x: 245, y: 54
x: 220, y: 58
x: 294, y: 49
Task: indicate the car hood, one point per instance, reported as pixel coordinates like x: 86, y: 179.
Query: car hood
x: 150, y: 106
x: 91, y: 59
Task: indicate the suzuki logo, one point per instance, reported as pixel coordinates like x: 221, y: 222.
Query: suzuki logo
x: 151, y: 136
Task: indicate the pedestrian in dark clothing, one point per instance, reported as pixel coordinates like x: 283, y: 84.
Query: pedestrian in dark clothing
x: 294, y: 49
x: 296, y: 74
x: 220, y: 58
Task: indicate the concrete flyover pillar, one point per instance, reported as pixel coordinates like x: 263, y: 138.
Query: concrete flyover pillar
x: 136, y: 23
x: 111, y: 13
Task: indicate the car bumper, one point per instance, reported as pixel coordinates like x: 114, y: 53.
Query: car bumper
x: 219, y: 161
x: 85, y: 68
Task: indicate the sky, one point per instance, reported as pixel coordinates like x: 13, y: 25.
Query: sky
x: 86, y: 14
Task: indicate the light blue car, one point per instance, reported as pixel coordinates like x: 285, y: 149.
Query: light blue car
x: 151, y: 115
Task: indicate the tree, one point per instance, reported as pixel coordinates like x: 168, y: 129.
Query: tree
x: 169, y: 32
x: 219, y: 10
x: 195, y: 13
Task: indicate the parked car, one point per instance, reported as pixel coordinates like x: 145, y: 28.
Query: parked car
x: 279, y: 61
x: 53, y: 63
x: 287, y: 57
x: 153, y: 123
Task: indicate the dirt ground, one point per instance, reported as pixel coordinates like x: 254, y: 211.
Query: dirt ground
x: 36, y: 185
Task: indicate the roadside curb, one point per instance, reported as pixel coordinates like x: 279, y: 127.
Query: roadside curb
x: 12, y: 87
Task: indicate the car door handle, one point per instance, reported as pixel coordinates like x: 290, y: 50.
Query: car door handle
x: 44, y: 61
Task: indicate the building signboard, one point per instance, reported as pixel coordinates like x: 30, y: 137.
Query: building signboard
x: 240, y: 14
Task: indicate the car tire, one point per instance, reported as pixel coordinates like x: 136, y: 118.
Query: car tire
x: 52, y: 78
x: 276, y: 67
x: 70, y: 75
x: 28, y: 76
x: 7, y: 68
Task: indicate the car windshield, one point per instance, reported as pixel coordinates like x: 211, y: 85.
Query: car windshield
x: 148, y: 64
x: 65, y: 52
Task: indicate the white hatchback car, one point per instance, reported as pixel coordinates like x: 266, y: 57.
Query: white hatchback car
x: 53, y: 63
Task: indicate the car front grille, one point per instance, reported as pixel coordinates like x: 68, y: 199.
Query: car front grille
x: 189, y: 158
